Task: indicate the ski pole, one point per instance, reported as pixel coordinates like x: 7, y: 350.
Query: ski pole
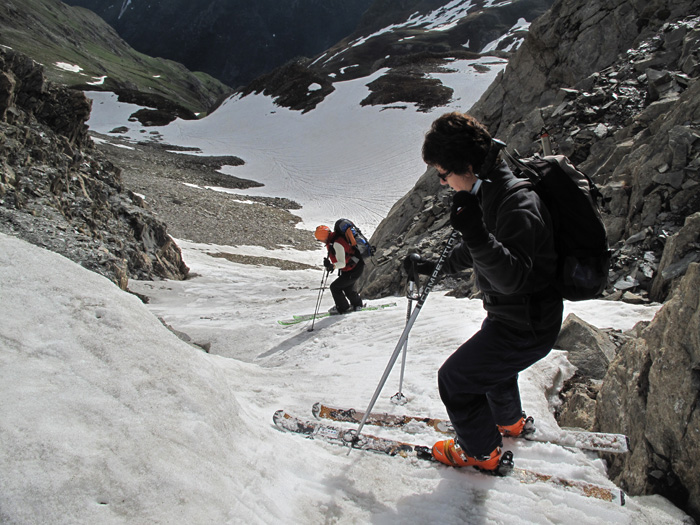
x: 398, y: 398
x: 409, y: 324
x: 546, y: 142
x: 318, y: 301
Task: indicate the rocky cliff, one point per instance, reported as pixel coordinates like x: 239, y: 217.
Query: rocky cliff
x: 625, y: 112
x: 650, y: 393
x: 58, y: 193
x: 616, y: 84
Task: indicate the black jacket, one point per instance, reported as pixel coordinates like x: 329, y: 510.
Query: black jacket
x: 515, y: 264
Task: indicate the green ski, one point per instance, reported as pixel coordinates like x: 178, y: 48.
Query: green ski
x: 308, y: 317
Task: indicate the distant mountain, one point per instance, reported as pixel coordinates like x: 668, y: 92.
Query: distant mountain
x: 79, y: 49
x: 409, y: 38
x: 233, y: 40
x: 295, y: 50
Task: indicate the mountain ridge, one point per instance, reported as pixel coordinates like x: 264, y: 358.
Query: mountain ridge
x: 410, y: 49
x: 79, y: 50
x: 234, y: 41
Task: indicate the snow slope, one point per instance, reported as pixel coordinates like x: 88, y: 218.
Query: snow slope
x: 107, y: 417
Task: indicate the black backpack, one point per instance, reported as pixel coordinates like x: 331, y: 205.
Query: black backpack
x: 347, y: 229
x: 580, y: 238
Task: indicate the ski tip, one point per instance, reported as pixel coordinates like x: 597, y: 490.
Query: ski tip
x: 316, y: 410
x: 280, y: 417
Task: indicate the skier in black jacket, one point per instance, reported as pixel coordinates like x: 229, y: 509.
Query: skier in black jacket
x: 507, y: 240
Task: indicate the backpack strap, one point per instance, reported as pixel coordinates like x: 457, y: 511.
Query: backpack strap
x: 491, y: 158
x: 350, y: 237
x: 527, y: 170
x: 516, y: 184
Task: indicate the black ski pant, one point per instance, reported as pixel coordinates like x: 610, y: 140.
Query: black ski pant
x: 343, y: 288
x: 479, y: 382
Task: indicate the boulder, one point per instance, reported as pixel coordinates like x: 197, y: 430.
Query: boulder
x: 578, y: 402
x: 589, y: 349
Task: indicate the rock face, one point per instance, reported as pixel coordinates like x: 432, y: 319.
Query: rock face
x: 650, y: 393
x: 56, y: 192
x: 625, y: 112
x: 564, y: 48
x: 680, y: 251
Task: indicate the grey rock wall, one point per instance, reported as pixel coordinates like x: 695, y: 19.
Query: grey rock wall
x: 650, y: 393
x: 616, y: 84
x: 58, y: 193
x: 625, y: 112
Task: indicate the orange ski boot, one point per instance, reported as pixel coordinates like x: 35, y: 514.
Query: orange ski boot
x: 451, y: 454
x: 523, y: 426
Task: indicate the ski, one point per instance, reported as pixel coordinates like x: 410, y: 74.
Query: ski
x: 348, y: 438
x: 308, y: 317
x: 596, y: 441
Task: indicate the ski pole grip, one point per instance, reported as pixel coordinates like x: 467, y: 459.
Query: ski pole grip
x: 412, y: 275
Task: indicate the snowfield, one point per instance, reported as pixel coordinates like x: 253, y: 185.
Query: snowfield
x: 108, y: 417
x: 341, y: 158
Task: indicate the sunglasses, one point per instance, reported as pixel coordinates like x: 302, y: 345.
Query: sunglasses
x: 443, y: 176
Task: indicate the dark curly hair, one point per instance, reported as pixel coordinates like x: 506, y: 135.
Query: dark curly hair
x: 456, y: 141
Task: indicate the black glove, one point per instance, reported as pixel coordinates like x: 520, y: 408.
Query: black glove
x: 414, y: 265
x: 328, y: 264
x: 467, y: 218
